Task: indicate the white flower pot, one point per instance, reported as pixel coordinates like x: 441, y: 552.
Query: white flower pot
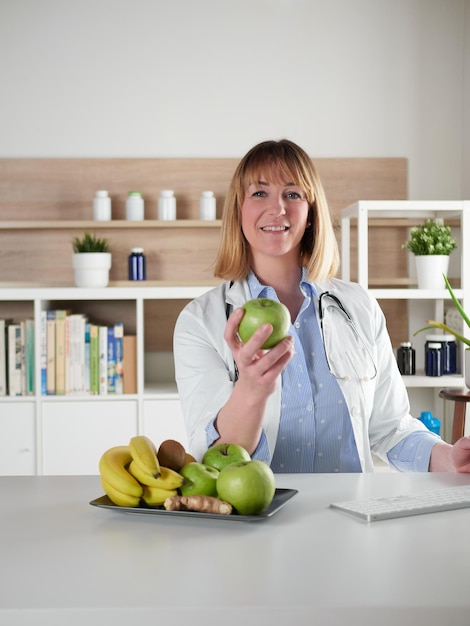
x: 91, y: 268
x: 467, y: 367
x: 429, y: 270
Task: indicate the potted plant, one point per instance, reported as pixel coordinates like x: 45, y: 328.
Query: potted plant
x: 91, y: 261
x: 450, y: 331
x: 431, y: 243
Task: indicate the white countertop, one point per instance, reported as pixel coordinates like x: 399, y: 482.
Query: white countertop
x: 64, y: 562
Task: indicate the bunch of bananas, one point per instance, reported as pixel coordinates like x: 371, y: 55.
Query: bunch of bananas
x: 131, y: 474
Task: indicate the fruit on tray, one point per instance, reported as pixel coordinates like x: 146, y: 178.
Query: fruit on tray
x: 168, y: 479
x: 144, y: 453
x: 222, y: 454
x: 171, y: 453
x: 249, y: 486
x: 132, y: 475
x: 199, y: 480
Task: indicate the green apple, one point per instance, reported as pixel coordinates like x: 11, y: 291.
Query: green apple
x: 222, y: 454
x: 249, y: 486
x: 199, y: 479
x: 265, y: 311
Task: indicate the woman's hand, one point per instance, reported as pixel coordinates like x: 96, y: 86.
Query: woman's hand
x: 257, y: 368
x: 447, y: 458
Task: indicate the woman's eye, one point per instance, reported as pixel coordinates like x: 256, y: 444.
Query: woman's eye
x: 259, y: 194
x: 293, y: 195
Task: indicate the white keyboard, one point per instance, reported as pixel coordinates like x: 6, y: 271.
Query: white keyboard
x: 376, y: 509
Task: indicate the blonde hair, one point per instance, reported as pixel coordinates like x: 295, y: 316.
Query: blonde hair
x: 319, y: 248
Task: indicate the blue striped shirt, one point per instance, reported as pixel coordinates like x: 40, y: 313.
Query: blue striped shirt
x: 315, y: 432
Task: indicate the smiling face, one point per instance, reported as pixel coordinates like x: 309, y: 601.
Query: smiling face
x: 274, y: 216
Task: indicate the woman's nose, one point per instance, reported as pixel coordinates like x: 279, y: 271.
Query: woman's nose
x: 278, y: 206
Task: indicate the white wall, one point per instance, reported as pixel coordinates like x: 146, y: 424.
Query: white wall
x: 190, y: 78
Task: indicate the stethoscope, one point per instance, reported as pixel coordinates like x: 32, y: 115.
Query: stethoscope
x: 340, y: 306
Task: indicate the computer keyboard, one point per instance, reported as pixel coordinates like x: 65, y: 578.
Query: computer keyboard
x: 404, y: 505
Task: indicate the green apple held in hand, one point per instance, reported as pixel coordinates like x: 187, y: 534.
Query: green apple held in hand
x: 199, y: 479
x: 249, y: 486
x: 222, y: 454
x: 265, y: 311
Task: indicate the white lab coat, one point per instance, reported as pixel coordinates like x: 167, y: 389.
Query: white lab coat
x: 204, y: 368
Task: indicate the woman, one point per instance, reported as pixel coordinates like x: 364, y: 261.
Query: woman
x: 329, y: 395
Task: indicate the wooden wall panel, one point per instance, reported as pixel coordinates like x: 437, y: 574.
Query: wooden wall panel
x: 61, y: 189
x: 51, y: 190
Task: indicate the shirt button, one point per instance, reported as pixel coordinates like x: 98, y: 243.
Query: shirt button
x: 309, y: 407
x: 297, y: 325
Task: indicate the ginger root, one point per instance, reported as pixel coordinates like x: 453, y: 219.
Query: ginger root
x: 203, y: 504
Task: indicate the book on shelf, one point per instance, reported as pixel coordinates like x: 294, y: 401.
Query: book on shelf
x: 129, y: 364
x: 29, y: 356
x: 4, y: 323
x: 103, y: 359
x: 94, y: 360
x: 111, y: 361
x: 60, y: 351
x: 87, y: 353
x: 76, y: 364
x: 118, y: 354
x: 15, y: 359
x: 43, y: 355
x: 50, y: 353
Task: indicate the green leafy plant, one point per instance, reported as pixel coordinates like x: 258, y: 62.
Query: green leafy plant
x: 431, y: 238
x: 90, y: 243
x: 444, y: 327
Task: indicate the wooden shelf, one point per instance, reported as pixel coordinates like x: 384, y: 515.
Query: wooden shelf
x: 95, y: 225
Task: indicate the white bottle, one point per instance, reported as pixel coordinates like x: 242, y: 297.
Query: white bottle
x: 207, y: 208
x: 167, y: 205
x: 102, y: 206
x: 134, y: 206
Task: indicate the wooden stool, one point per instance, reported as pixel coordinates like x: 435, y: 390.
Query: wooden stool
x: 460, y: 396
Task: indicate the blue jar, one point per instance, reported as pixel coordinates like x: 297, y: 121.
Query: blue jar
x: 137, y: 269
x: 433, y: 354
x: 448, y: 352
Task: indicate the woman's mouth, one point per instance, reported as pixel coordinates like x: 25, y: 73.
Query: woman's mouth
x: 274, y: 229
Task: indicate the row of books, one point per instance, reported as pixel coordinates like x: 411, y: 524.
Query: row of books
x: 77, y: 357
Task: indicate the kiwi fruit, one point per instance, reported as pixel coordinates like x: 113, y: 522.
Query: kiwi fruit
x: 171, y: 454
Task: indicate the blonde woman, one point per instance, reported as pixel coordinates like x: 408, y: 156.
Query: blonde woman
x: 328, y: 395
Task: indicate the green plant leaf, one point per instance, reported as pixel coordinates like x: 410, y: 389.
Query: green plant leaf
x: 456, y: 302
x: 90, y: 243
x: 433, y: 324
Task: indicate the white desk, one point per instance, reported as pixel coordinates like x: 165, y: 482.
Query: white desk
x: 66, y: 563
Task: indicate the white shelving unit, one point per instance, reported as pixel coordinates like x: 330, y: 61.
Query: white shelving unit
x: 359, y: 214
x: 67, y: 434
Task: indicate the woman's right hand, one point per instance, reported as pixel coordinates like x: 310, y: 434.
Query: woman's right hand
x: 258, y: 369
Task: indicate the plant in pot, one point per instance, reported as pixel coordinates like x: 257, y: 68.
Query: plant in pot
x: 91, y: 261
x: 431, y: 243
x: 447, y: 329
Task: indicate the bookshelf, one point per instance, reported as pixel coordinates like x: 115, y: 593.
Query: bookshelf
x: 66, y: 434
x: 422, y: 304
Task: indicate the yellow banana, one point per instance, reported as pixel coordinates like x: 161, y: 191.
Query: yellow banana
x: 144, y: 453
x: 156, y: 496
x: 168, y: 479
x: 112, y: 467
x: 121, y: 499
